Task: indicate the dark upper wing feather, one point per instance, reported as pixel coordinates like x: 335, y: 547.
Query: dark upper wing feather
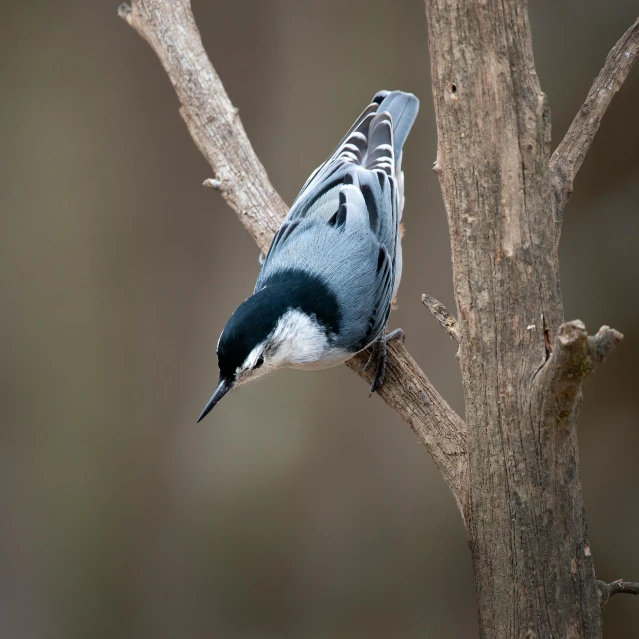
x: 357, y: 185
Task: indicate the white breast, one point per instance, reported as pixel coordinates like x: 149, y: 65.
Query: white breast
x: 300, y: 342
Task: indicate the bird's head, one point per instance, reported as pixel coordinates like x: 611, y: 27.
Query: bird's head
x: 272, y: 329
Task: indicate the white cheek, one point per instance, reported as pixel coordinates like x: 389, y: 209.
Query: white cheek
x: 253, y: 356
x: 247, y: 372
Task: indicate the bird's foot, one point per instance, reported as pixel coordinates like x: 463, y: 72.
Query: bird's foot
x: 378, y: 351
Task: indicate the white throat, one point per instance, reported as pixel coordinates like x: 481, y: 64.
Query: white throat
x: 300, y: 342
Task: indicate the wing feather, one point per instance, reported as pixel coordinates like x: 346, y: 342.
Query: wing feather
x: 356, y: 191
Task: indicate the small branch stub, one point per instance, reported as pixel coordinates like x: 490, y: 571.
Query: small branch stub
x: 615, y: 588
x: 212, y: 183
x: 574, y: 356
x: 602, y: 343
x: 124, y: 10
x: 441, y: 314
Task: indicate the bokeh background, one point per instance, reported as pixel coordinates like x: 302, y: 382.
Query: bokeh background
x: 301, y: 508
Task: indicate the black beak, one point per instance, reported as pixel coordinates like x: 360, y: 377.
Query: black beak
x: 223, y: 388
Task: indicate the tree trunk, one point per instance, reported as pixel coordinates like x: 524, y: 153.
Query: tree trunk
x: 526, y: 523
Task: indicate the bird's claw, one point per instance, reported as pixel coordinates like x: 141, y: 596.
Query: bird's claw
x: 378, y: 351
x: 369, y: 361
x: 398, y: 333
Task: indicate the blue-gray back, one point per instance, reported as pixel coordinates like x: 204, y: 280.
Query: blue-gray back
x: 344, y: 224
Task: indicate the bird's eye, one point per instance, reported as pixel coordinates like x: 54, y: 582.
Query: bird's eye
x: 260, y: 361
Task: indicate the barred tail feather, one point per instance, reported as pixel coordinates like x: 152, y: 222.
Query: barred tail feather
x: 403, y: 108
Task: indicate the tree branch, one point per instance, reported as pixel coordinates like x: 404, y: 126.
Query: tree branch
x: 574, y: 357
x: 569, y: 155
x: 169, y: 27
x: 212, y: 120
x: 437, y: 426
x: 441, y: 314
x: 615, y: 588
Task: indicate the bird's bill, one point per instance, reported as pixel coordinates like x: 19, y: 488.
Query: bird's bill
x: 223, y: 388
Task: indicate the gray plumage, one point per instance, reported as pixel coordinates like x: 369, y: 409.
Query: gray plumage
x: 325, y: 289
x: 344, y: 224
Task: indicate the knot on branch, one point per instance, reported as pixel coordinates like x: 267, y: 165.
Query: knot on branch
x: 124, y: 9
x: 213, y: 183
x: 575, y: 355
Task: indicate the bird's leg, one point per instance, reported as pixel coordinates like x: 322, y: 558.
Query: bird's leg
x: 371, y: 357
x: 378, y: 351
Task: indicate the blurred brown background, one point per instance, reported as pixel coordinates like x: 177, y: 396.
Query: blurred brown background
x: 300, y: 508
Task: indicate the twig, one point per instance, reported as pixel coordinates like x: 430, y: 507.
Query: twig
x: 441, y: 314
x: 615, y: 588
x: 569, y: 155
x: 169, y: 27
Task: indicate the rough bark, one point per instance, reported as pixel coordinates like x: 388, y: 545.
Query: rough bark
x: 514, y: 467
x: 526, y: 521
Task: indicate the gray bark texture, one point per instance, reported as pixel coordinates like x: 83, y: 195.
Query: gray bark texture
x: 513, y: 467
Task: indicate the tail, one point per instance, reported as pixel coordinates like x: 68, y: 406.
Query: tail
x: 368, y: 141
x: 374, y: 141
x: 403, y: 108
x: 397, y: 111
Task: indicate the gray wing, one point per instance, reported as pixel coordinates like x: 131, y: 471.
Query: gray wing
x: 344, y: 224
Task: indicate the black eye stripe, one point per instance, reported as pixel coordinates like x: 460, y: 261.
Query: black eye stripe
x: 260, y: 361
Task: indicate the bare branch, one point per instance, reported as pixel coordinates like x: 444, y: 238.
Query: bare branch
x: 569, y: 155
x: 212, y: 120
x: 169, y: 27
x: 615, y: 588
x: 441, y: 314
x: 574, y: 357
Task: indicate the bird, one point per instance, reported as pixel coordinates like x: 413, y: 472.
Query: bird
x: 326, y: 287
